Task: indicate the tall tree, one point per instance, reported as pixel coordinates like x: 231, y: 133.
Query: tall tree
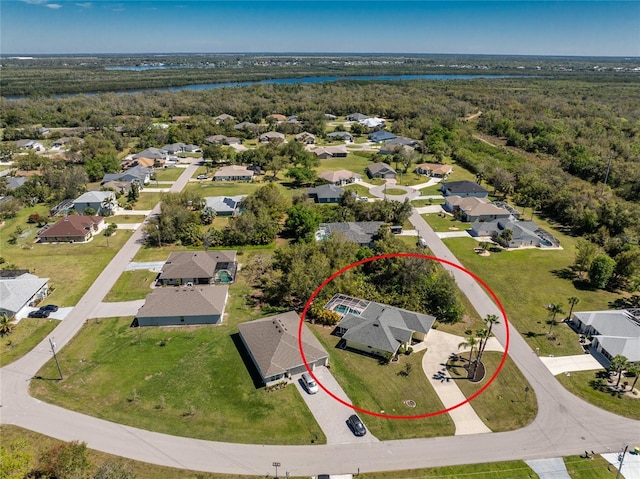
x: 470, y: 343
x: 554, y: 309
x: 572, y: 301
x: 618, y: 365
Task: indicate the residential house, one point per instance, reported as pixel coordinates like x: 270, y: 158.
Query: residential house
x: 473, y: 209
x: 376, y: 328
x: 138, y: 174
x: 380, y: 170
x: 434, y: 170
x: 380, y: 136
x: 120, y: 187
x: 364, y: 233
x: 523, y: 233
x: 152, y: 153
x: 223, y: 140
x: 144, y: 162
x: 277, y: 117
x: 15, y: 182
x: 341, y: 135
x: 63, y: 208
x: 101, y: 202
x: 329, y: 116
x: 72, y: 229
x: 272, y: 345
x: 340, y: 177
x: 356, y: 117
x: 224, y: 117
x: 20, y: 291
x: 232, y: 140
x: 199, y: 267
x: 612, y: 332
x: 62, y: 142
x: 271, y: 135
x: 245, y: 125
x: 183, y: 305
x: 176, y: 148
x: 29, y: 145
x: 325, y: 194
x: 234, y: 173
x: 373, y: 122
x: 326, y: 152
x: 305, y: 137
x: 401, y: 140
x: 463, y: 188
x: 389, y: 148
x: 225, y: 205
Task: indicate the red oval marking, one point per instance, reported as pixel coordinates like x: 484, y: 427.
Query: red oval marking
x: 412, y: 255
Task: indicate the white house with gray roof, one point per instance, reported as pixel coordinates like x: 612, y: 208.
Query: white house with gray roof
x: 272, y: 344
x: 363, y: 233
x: 199, y: 267
x: 613, y: 332
x: 225, y: 205
x: 17, y: 293
x: 376, y: 328
x: 104, y: 203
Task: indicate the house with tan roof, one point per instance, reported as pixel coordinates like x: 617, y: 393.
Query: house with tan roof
x: 224, y: 117
x: 277, y: 117
x: 305, y: 137
x: 326, y: 152
x: 381, y: 170
x: 183, y: 306
x: 234, y: 173
x: 475, y: 209
x: 434, y: 170
x: 199, y: 267
x: 340, y: 177
x: 272, y: 345
x: 271, y: 135
x: 72, y: 229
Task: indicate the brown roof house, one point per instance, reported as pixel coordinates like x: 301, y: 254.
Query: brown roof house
x: 475, y: 209
x: 434, y: 170
x: 305, y: 137
x: 272, y: 344
x: 183, y: 305
x: 326, y: 152
x: 340, y: 177
x: 72, y: 229
x: 199, y: 267
x: 271, y: 135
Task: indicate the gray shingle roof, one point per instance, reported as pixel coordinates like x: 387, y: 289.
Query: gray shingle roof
x: 185, y: 301
x: 464, y: 186
x: 325, y: 192
x: 194, y: 264
x: 380, y: 168
x: 224, y: 204
x: 273, y: 342
x: 361, y: 232
x: 16, y: 292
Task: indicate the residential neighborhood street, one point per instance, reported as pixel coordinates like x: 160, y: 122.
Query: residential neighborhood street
x: 565, y: 425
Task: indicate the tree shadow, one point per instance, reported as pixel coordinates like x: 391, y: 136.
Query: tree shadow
x: 564, y: 273
x: 532, y: 334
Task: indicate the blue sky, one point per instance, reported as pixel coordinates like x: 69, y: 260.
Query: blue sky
x: 566, y: 27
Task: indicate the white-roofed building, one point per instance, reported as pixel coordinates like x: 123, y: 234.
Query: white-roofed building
x: 20, y: 292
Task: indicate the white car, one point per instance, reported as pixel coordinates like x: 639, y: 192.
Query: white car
x: 202, y: 177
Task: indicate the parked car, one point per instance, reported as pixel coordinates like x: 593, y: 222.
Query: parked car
x: 52, y: 308
x: 202, y: 177
x: 356, y: 425
x: 422, y: 242
x: 309, y: 384
x: 39, y: 313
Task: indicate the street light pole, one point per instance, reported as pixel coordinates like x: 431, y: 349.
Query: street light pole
x: 53, y: 350
x: 159, y: 241
x: 621, y: 460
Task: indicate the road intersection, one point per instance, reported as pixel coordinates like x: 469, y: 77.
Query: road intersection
x: 565, y: 425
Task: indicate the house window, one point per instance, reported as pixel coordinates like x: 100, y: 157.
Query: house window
x: 182, y: 319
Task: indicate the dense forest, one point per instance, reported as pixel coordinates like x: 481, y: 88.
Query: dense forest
x: 570, y: 147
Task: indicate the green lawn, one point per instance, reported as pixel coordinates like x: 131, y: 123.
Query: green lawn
x: 222, y: 188
x: 526, y: 280
x: 147, y: 200
x: 131, y: 285
x: 594, y: 468
x: 492, y: 470
x: 584, y: 384
x: 380, y: 388
x: 359, y: 189
x: 395, y: 191
x: 431, y: 190
x: 125, y: 219
x: 71, y: 268
x: 504, y: 405
x: 427, y: 202
x: 190, y: 382
x: 24, y: 337
x: 441, y: 222
x: 168, y: 174
x: 352, y: 162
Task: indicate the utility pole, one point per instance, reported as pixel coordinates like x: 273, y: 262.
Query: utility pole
x: 621, y: 460
x: 55, y: 356
x: 606, y: 176
x: 159, y: 241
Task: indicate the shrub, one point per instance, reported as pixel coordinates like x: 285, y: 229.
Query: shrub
x: 34, y: 218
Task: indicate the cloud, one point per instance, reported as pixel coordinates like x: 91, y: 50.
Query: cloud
x: 84, y: 5
x: 53, y: 6
x: 34, y: 2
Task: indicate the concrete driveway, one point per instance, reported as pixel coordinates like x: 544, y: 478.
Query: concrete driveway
x: 329, y: 413
x: 564, y: 364
x: 112, y: 310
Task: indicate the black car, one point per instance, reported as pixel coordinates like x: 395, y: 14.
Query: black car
x: 356, y: 426
x: 52, y: 308
x: 39, y: 313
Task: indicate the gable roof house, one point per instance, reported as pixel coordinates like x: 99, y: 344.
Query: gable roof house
x: 199, y: 267
x: 475, y: 209
x: 305, y: 137
x: 343, y: 135
x: 392, y: 148
x: 434, y: 170
x: 61, y: 142
x: 356, y: 117
x: 183, y: 305
x: 271, y: 135
x: 376, y: 328
x: 223, y: 140
x: 234, y: 173
x: 29, y: 145
x: 15, y: 182
x: 138, y: 174
x: 245, y: 125
x: 523, y: 233
x: 272, y: 344
x: 17, y: 293
x: 463, y: 188
x: 380, y: 170
x: 380, y: 136
x: 72, y: 229
x: 326, y: 152
x: 225, y: 205
x: 325, y: 194
x: 174, y: 148
x: 373, y: 122
x: 152, y: 153
x: 102, y: 202
x: 224, y: 117
x: 613, y: 332
x: 363, y: 233
x: 340, y: 177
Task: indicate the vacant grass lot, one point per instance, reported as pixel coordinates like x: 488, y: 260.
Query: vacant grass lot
x: 147, y: 200
x: 526, y: 280
x: 222, y: 188
x: 353, y: 162
x: 190, y: 382
x: 168, y: 174
x: 359, y: 189
x: 126, y: 219
x: 595, y: 468
x: 445, y: 223
x: 71, y: 268
x: 131, y: 285
x: 381, y: 388
x: 581, y: 383
x: 504, y: 405
x: 24, y: 337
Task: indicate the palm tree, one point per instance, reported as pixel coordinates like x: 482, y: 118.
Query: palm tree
x: 618, y: 364
x: 470, y: 343
x: 482, y: 334
x: 554, y: 309
x: 634, y: 369
x: 5, y: 325
x: 572, y: 301
x: 491, y: 319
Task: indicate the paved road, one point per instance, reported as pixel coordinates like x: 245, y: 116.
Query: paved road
x: 565, y: 425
